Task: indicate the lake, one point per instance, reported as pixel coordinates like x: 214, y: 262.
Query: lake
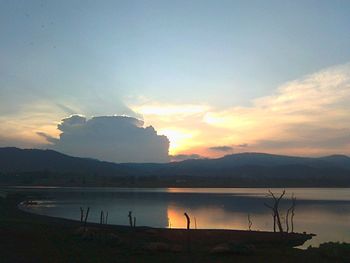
x: 325, y: 211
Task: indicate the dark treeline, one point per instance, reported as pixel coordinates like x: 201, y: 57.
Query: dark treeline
x: 75, y: 179
x: 46, y: 167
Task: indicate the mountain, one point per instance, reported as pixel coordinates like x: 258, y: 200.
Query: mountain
x: 30, y: 160
x: 337, y: 160
x: 267, y: 160
x: 33, y: 166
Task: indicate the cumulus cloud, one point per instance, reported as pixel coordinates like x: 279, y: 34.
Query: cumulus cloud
x: 110, y: 138
x: 221, y: 148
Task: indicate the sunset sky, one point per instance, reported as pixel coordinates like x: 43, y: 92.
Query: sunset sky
x: 214, y: 77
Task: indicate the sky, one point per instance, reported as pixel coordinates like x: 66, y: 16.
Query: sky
x: 193, y: 78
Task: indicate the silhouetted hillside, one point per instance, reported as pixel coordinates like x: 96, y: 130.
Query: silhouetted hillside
x: 31, y: 160
x: 266, y: 160
x: 19, y: 166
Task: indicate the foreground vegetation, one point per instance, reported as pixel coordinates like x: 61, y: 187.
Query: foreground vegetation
x: 32, y: 238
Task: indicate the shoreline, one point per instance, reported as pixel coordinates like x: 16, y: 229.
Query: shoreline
x: 24, y: 232
x: 267, y: 238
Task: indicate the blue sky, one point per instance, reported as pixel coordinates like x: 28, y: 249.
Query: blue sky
x: 102, y: 57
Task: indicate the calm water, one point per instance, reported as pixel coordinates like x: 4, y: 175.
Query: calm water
x: 325, y: 212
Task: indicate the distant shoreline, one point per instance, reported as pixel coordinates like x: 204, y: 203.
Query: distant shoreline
x: 163, y: 187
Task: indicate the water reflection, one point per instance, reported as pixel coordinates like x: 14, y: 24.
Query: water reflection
x: 325, y: 212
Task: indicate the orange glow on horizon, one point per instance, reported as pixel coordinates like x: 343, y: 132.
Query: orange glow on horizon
x: 205, y: 218
x: 180, y: 139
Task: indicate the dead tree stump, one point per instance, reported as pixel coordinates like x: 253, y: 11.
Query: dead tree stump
x: 188, y: 220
